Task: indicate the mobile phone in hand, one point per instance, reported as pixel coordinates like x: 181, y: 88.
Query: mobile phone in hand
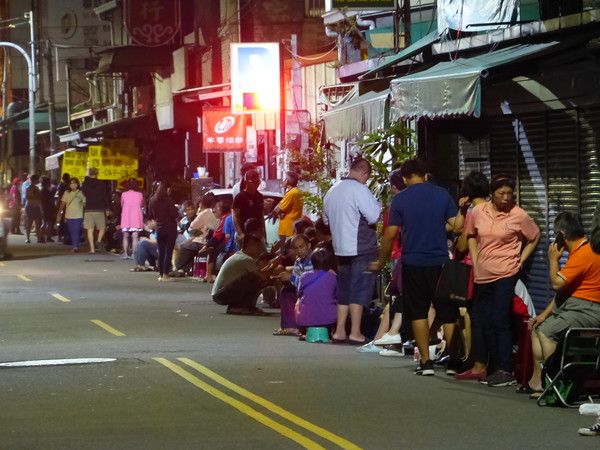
x: 560, y: 240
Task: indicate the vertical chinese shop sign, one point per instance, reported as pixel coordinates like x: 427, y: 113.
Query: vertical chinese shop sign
x: 223, y: 131
x: 152, y: 22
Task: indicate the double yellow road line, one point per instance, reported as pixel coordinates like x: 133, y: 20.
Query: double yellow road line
x: 251, y: 412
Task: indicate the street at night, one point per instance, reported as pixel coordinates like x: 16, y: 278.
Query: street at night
x: 175, y: 371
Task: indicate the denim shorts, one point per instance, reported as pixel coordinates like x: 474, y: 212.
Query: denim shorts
x: 356, y: 284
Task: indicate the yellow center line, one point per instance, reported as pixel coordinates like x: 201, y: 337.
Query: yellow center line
x: 343, y: 443
x: 24, y: 278
x: 259, y: 417
x: 61, y: 298
x: 108, y: 328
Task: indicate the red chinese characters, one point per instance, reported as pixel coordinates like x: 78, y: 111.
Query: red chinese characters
x: 152, y: 22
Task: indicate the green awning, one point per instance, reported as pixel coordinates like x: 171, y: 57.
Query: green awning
x: 454, y: 87
x: 406, y: 53
x: 358, y: 116
x: 42, y: 121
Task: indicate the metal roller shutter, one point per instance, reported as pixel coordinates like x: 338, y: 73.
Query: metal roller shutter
x: 555, y: 161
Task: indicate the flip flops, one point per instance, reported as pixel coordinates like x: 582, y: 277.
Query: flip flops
x: 526, y: 389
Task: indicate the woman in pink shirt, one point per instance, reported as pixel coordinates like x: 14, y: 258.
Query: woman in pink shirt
x: 132, y: 217
x: 497, y: 231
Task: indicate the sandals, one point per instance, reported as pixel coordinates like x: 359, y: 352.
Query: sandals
x: 526, y: 389
x: 286, y: 332
x: 138, y: 269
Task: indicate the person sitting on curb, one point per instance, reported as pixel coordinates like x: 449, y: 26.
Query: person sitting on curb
x: 146, y: 249
x: 577, y: 301
x: 240, y: 280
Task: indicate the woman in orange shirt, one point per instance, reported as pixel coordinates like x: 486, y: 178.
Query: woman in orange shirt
x: 496, y: 232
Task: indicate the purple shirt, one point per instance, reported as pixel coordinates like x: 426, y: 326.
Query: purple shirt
x: 317, y: 299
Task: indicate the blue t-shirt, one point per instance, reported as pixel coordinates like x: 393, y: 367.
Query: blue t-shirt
x: 422, y: 210
x: 229, y: 228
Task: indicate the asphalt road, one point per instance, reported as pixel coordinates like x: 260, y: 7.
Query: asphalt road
x: 181, y: 374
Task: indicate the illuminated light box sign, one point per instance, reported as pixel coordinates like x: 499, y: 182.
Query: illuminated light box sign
x: 223, y: 131
x: 255, y: 78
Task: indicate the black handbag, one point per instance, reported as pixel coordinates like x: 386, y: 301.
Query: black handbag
x: 454, y: 284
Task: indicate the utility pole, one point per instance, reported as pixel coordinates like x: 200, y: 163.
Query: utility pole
x: 31, y: 101
x: 32, y: 89
x: 406, y: 22
x: 3, y: 143
x: 51, y: 106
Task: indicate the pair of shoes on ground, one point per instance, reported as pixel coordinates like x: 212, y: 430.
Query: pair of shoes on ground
x: 165, y: 278
x: 388, y: 339
x: 371, y: 347
x: 500, y: 378
x: 428, y: 369
x: 594, y: 430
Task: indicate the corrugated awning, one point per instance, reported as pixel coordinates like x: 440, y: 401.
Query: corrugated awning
x: 454, y: 88
x: 404, y: 54
x: 358, y: 116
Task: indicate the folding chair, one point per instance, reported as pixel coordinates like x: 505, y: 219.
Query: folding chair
x: 579, y: 358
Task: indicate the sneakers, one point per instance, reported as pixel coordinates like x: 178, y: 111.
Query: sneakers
x: 388, y: 339
x: 368, y: 348
x: 499, y: 378
x: 391, y: 352
x: 453, y: 367
x: 594, y: 430
x: 425, y: 369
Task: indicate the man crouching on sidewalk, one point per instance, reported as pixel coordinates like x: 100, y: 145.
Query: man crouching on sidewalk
x: 241, y: 279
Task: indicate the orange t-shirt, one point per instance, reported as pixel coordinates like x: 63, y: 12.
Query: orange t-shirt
x: 582, y: 272
x: 499, y: 240
x: 291, y: 205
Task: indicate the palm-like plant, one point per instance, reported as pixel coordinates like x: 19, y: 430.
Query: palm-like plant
x: 386, y: 150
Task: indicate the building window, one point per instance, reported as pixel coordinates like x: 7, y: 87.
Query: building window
x: 314, y: 8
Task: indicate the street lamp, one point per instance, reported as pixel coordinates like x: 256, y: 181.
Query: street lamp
x: 31, y: 68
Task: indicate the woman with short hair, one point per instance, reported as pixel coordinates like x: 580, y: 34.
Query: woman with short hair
x: 500, y: 237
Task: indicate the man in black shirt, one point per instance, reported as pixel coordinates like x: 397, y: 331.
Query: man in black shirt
x: 248, y: 204
x: 97, y: 207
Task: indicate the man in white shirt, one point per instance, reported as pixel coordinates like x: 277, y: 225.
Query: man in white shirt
x: 352, y: 213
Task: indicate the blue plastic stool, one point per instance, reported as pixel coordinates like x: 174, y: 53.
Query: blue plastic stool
x: 317, y: 334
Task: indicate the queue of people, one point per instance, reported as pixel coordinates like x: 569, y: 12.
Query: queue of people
x: 322, y: 274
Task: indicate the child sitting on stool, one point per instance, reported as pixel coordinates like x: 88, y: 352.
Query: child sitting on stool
x: 317, y: 293
x: 290, y: 278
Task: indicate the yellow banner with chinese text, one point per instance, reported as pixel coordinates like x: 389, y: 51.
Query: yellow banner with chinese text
x: 75, y: 164
x: 115, y: 159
